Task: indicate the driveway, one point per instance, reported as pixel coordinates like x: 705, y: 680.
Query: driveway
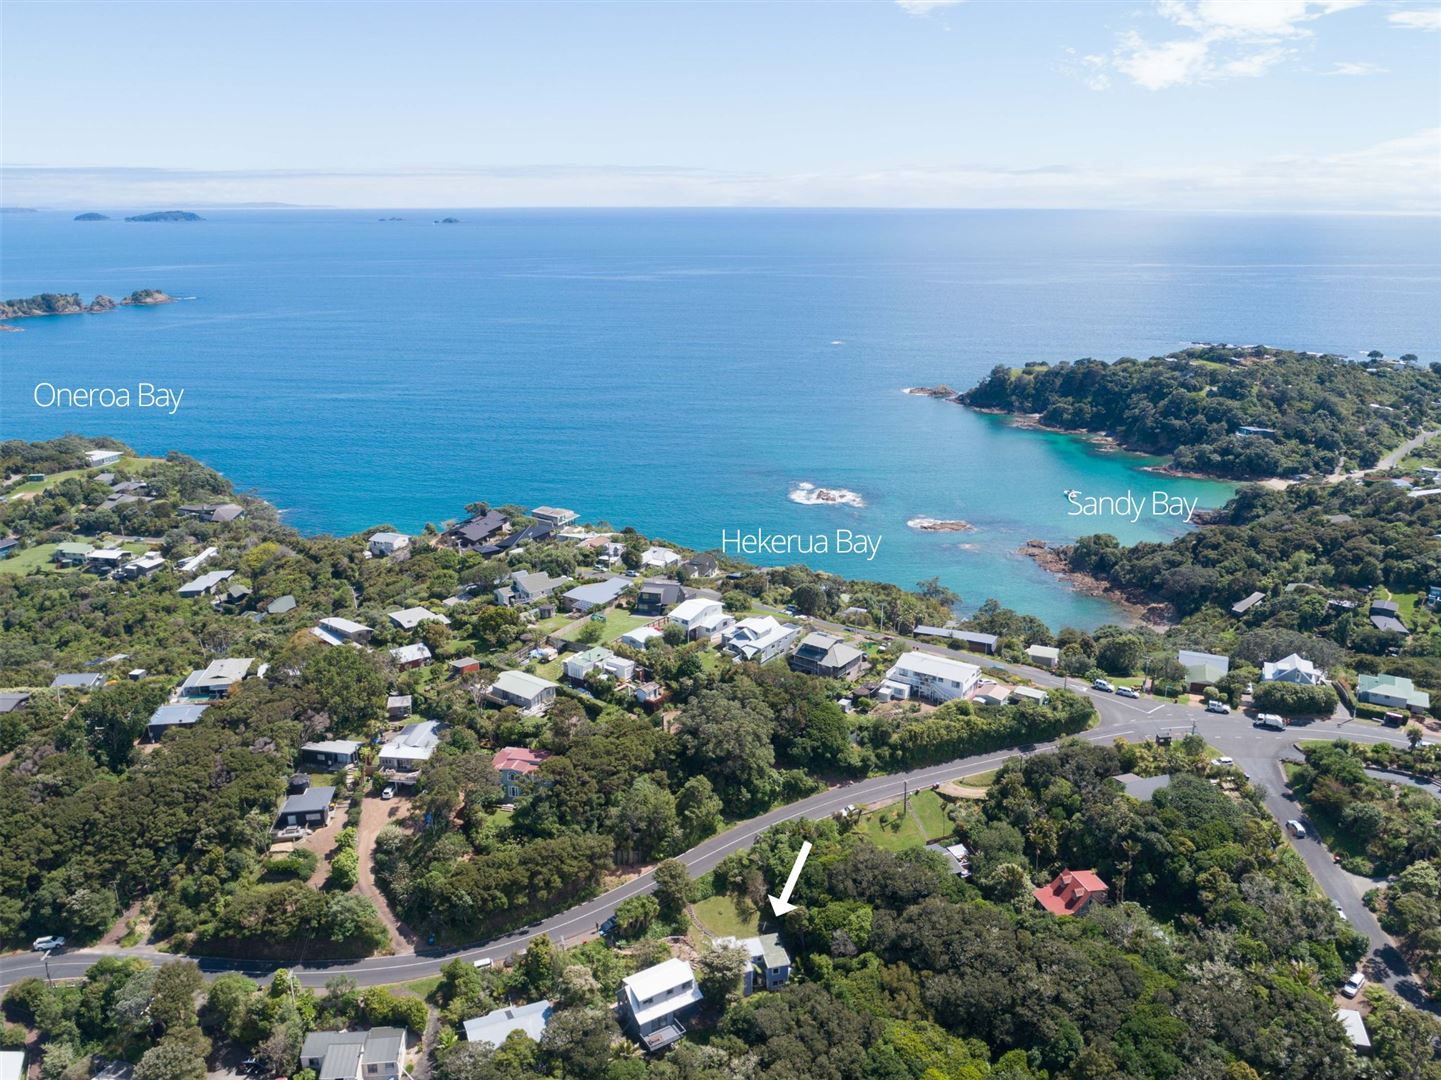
x: 375, y: 814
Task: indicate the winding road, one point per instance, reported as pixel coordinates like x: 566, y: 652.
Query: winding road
x: 1259, y: 752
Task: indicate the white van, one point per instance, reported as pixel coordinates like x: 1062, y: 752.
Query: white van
x: 1296, y: 829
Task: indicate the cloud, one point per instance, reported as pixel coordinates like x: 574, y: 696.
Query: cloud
x: 1227, y: 39
x: 925, y: 7
x: 1427, y: 19
x: 1399, y: 176
x: 1356, y: 67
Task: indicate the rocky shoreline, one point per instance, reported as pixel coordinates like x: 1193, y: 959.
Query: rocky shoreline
x: 1053, y: 559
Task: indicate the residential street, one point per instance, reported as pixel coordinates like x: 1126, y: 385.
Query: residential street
x: 1256, y: 750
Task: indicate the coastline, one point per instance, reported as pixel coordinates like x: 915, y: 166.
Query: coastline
x: 1052, y: 558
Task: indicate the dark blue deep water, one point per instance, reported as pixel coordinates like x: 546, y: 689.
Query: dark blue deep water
x: 682, y: 371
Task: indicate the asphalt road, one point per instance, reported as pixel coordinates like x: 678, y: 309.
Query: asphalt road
x: 1258, y: 751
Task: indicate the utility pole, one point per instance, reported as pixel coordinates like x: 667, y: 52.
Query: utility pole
x: 905, y: 796
x: 48, y: 981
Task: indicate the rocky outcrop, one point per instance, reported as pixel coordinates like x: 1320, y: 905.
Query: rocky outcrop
x: 70, y: 304
x: 167, y: 215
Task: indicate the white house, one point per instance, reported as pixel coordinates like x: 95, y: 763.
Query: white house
x: 659, y: 557
x: 578, y: 665
x: 760, y: 639
x: 652, y: 1000
x: 531, y: 694
x: 95, y: 458
x: 377, y: 1054
x: 1293, y: 669
x: 411, y: 617
x: 770, y: 965
x: 701, y: 617
x: 926, y: 677
x: 495, y: 1027
x: 411, y: 747
x: 638, y: 637
x: 387, y: 543
x: 554, y: 515
x: 619, y: 668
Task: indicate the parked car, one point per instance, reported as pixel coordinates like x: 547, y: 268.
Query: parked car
x: 1103, y: 685
x: 1127, y: 691
x: 1222, y: 761
x: 1296, y: 829
x: 48, y: 944
x: 1354, y: 984
x: 388, y: 792
x: 1337, y: 905
x: 291, y: 832
x: 1218, y: 707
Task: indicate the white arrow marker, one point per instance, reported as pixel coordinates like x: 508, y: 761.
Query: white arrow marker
x: 782, y: 905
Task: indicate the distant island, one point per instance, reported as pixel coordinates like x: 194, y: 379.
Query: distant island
x: 71, y: 304
x: 167, y: 215
x: 449, y: 221
x: 92, y: 216
x: 1235, y: 412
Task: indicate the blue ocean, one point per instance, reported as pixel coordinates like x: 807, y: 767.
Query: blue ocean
x: 684, y: 371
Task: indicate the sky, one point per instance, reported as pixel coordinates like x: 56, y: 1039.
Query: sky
x: 1245, y: 105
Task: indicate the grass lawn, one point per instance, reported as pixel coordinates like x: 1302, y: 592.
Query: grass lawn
x: 127, y: 463
x: 980, y: 779
x: 421, y: 988
x: 718, y: 915
x: 931, y: 809
x: 891, y: 829
x: 616, y: 623
x: 31, y: 559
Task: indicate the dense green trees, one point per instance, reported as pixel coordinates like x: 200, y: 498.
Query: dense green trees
x: 1316, y: 410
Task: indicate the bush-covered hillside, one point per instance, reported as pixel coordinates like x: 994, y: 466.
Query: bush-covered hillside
x: 1320, y: 413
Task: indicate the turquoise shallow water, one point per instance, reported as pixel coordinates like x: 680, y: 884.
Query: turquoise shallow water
x: 683, y: 371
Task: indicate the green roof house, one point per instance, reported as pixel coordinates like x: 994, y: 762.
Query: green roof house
x: 1392, y: 692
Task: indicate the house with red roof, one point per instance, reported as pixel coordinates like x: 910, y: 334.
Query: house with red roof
x: 1072, y: 892
x: 515, y: 763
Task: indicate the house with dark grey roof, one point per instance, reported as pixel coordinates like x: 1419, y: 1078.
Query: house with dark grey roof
x: 827, y: 656
x: 1386, y: 615
x: 477, y: 530
x: 702, y: 565
x: 527, y: 586
x: 280, y: 605
x: 377, y: 1054
x: 12, y: 701
x: 595, y: 595
x: 78, y: 681
x: 657, y: 597
x: 330, y: 754
x: 172, y: 716
x: 308, y: 809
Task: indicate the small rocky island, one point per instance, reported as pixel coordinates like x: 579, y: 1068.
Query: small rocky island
x: 32, y: 307
x: 941, y: 391
x: 167, y: 215
x: 929, y: 524
x: 92, y: 216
